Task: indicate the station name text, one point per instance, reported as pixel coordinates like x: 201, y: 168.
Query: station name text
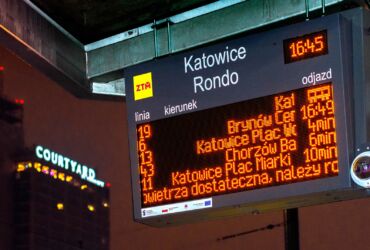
x: 222, y: 79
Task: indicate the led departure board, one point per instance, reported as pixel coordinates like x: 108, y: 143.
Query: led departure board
x: 272, y: 140
x: 237, y: 126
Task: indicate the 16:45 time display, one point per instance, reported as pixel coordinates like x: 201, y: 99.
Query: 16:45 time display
x: 306, y: 46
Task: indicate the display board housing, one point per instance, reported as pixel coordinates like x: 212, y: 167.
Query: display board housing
x: 242, y: 125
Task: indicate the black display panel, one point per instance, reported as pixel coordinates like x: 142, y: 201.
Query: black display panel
x: 267, y: 141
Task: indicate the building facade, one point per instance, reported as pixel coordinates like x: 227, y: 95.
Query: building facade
x: 42, y: 205
x: 55, y: 209
x: 11, y: 142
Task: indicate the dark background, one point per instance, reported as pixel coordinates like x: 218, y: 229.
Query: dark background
x: 95, y: 133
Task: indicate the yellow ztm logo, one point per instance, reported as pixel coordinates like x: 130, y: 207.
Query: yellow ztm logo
x: 143, y: 86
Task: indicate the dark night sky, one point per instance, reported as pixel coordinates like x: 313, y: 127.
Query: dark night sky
x: 94, y: 133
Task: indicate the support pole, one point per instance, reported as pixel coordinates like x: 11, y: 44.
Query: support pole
x: 169, y: 36
x: 291, y: 229
x: 323, y: 7
x: 155, y: 35
x: 307, y: 8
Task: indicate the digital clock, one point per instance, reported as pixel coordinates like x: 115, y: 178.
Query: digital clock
x: 307, y: 46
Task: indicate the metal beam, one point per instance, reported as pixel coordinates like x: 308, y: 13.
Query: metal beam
x: 138, y: 45
x: 43, y: 44
x: 97, y: 68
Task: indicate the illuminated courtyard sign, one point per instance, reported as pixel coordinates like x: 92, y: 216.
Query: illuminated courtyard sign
x: 68, y: 164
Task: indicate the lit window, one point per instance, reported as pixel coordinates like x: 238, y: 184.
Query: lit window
x: 45, y: 169
x: 91, y: 208
x: 69, y: 178
x: 61, y: 176
x: 53, y: 172
x: 60, y: 206
x: 37, y: 166
x: 21, y: 167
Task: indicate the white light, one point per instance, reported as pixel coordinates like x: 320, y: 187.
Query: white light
x: 116, y: 87
x: 364, y: 157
